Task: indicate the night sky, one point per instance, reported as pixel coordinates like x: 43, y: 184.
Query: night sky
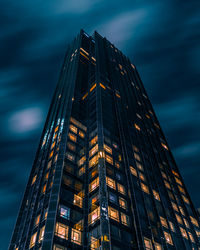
x: 162, y: 38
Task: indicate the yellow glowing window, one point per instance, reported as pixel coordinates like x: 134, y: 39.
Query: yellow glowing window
x: 122, y: 203
x: 76, y: 236
x: 117, y: 165
x: 94, y: 216
x: 94, y: 59
x: 107, y: 149
x: 132, y: 66
x: 84, y: 55
x: 137, y: 157
x: 113, y: 213
x: 81, y: 134
x: 156, y: 195
x: 171, y: 226
x: 70, y: 156
x: 183, y: 232
x: 185, y: 199
x: 56, y: 158
x: 157, y: 246
x: 33, y: 239
x: 84, y: 96
x: 181, y: 190
x: 44, y: 188
x: 117, y: 95
x: 81, y: 171
x: 178, y: 181
x: 93, y: 161
x: 133, y: 171
x: 84, y: 51
x: 164, y: 146
x: 47, y: 176
x: 37, y: 220
x: 167, y: 184
x: 110, y: 182
x: 175, y: 173
x: 41, y: 235
x: 93, y: 87
x: 135, y: 148
x: 71, y: 146
x: 168, y: 238
x: 102, y: 85
x: 142, y: 177
x: 94, y: 184
x: 78, y: 124
x: 124, y: 219
x: 109, y: 159
x: 191, y: 237
x: 62, y: 230
x: 174, y: 206
x: 78, y: 201
x: 94, y: 172
x: 164, y: 175
x: 186, y: 223
x: 72, y: 137
x: 51, y: 154
x: 147, y: 116
x: 93, y: 150
x: 56, y: 129
x: 34, y: 179
x: 121, y: 188
x: 139, y: 165
x: 194, y: 221
x: 145, y: 188
x: 163, y: 222
x: 93, y: 141
x: 148, y: 244
x: 81, y: 161
x: 73, y: 129
x: 137, y: 127
x: 55, y: 136
x: 53, y: 145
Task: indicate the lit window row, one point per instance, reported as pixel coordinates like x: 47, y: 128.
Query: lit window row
x: 34, y: 236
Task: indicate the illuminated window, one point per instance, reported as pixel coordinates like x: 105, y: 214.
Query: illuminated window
x: 181, y: 190
x: 194, y: 221
x: 122, y: 203
x: 37, y: 220
x: 71, y: 146
x: 81, y: 134
x: 175, y: 173
x: 41, y: 235
x: 56, y: 158
x: 191, y: 237
x: 121, y: 188
x: 55, y: 136
x: 93, y: 161
x: 185, y: 199
x: 94, y: 216
x: 164, y: 146
x: 53, y: 145
x: 49, y: 164
x: 117, y: 95
x: 168, y: 238
x: 148, y: 244
x: 64, y: 212
x: 93, y: 141
x: 186, y: 223
x: 93, y: 150
x: 113, y: 213
x: 164, y: 175
x: 94, y: 184
x: 58, y: 247
x: 179, y: 219
x: 33, y: 239
x: 61, y: 230
x: 34, y: 179
x: 44, y: 188
x: 163, y: 222
x: 47, y: 176
x: 70, y: 156
x: 178, y: 181
x: 174, y: 206
x: 84, y: 96
x: 124, y: 219
x: 56, y: 129
x: 81, y: 171
x: 142, y: 177
x: 51, y: 154
x: 102, y: 85
x: 94, y: 172
x: 181, y: 210
x: 78, y: 201
x: 139, y: 166
x: 110, y: 182
x: 172, y: 226
x: 84, y: 51
x: 183, y: 232
x: 108, y: 149
x: 109, y: 159
x: 137, y: 157
x: 81, y: 161
x: 117, y: 165
x: 133, y: 171
x: 137, y: 127
x: 167, y: 184
x: 73, y: 129
x: 157, y: 246
x: 76, y: 236
x: 72, y: 137
x: 145, y: 188
x: 93, y: 87
x: 156, y: 195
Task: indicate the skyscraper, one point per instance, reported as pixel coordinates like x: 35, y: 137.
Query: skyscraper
x: 103, y: 176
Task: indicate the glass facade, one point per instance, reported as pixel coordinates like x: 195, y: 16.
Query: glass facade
x: 104, y: 176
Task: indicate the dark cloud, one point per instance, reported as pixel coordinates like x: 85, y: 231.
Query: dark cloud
x: 160, y: 37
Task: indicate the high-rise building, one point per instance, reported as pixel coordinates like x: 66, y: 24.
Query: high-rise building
x: 104, y: 176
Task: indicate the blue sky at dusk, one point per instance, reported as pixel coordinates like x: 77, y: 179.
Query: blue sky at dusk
x: 162, y: 38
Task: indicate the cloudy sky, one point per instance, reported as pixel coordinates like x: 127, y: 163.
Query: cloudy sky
x: 161, y: 37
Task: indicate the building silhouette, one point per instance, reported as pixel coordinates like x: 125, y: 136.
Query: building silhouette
x: 103, y: 176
